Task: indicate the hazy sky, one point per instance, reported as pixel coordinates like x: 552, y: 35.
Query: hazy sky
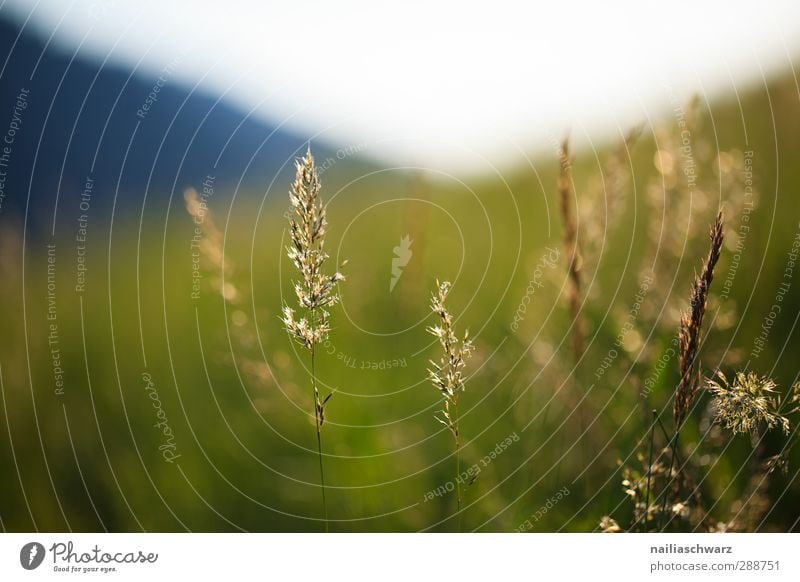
x: 442, y: 85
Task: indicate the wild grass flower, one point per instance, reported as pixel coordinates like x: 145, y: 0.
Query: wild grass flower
x: 447, y: 375
x: 691, y: 323
x: 683, y: 189
x: 747, y: 402
x: 661, y: 493
x: 753, y: 404
x: 609, y: 525
x: 315, y: 291
x: 688, y: 342
x: 640, y: 487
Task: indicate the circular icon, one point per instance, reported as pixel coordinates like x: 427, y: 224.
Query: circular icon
x: 31, y: 555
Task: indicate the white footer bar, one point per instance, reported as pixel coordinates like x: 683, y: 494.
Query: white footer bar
x: 388, y: 557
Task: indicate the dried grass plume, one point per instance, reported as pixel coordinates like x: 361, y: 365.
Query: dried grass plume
x: 691, y: 322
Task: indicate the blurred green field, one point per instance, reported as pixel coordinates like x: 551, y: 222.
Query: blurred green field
x: 235, y: 391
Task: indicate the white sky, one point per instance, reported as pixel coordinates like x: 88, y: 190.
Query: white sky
x: 444, y: 85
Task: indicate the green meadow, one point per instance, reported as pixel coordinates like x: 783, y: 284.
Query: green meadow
x: 186, y: 406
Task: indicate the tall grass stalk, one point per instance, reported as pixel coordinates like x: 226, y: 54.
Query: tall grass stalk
x: 689, y: 339
x: 315, y: 291
x: 447, y: 374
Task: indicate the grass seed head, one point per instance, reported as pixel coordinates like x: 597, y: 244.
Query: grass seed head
x: 747, y: 402
x: 691, y: 322
x: 315, y: 290
x: 447, y: 375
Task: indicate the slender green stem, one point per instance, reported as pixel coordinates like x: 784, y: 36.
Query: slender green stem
x: 650, y: 467
x: 668, y: 486
x: 696, y: 493
x: 668, y: 439
x: 458, y: 467
x: 319, y: 434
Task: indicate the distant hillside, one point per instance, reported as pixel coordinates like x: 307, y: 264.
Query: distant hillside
x: 131, y: 133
